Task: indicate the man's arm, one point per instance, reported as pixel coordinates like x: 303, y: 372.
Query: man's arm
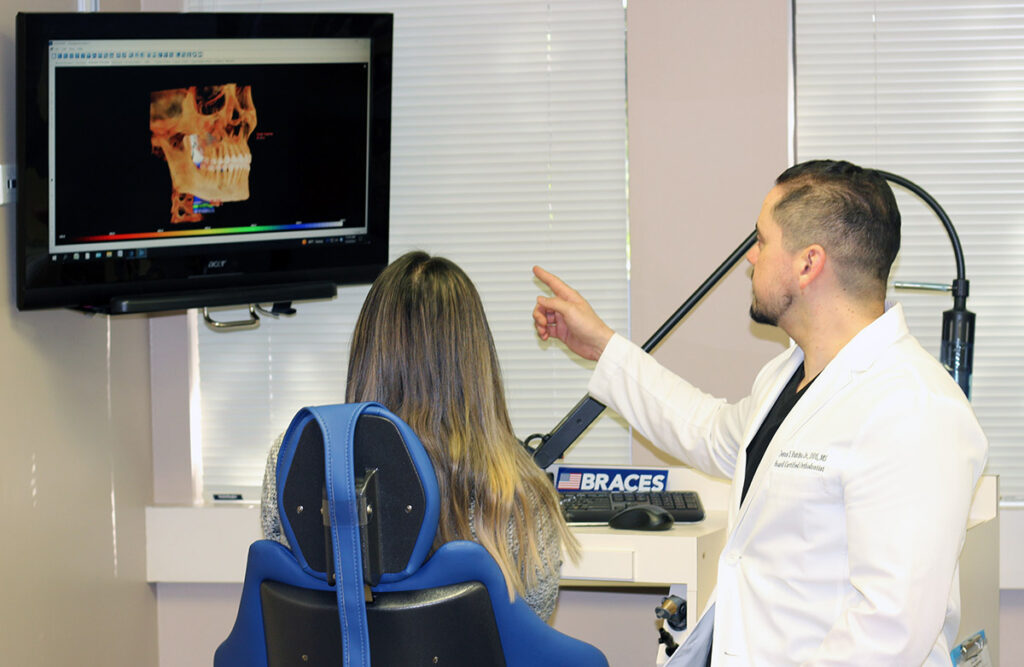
x: 701, y: 430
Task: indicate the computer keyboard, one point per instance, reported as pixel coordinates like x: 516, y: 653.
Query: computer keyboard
x: 599, y: 506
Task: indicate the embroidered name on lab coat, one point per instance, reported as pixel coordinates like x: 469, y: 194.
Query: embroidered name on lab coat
x: 792, y: 458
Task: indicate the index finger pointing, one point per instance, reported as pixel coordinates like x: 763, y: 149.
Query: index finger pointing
x: 559, y: 288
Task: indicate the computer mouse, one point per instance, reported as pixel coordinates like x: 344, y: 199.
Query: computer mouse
x: 642, y: 517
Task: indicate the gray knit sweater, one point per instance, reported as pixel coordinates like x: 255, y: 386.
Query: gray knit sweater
x: 541, y: 598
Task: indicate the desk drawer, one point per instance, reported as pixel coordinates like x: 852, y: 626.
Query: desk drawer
x: 602, y: 564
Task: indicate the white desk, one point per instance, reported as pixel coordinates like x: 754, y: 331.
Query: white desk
x: 196, y: 559
x: 686, y: 554
x: 208, y: 545
x: 202, y: 544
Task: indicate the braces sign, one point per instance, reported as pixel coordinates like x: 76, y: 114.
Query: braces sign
x: 627, y: 480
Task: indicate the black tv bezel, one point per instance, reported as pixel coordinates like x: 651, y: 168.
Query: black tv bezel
x: 260, y: 272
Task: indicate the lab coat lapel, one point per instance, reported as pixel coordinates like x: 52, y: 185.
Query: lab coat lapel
x: 857, y: 356
x: 766, y: 403
x: 826, y: 386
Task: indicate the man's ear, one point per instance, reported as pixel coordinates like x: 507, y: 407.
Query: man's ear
x: 810, y: 262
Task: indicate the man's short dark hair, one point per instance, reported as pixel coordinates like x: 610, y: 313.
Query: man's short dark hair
x: 850, y: 211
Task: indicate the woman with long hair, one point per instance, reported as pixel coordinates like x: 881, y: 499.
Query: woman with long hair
x: 423, y: 349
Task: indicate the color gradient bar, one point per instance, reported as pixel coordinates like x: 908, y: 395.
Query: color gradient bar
x: 203, y: 232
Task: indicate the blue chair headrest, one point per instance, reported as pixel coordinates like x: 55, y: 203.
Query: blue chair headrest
x: 408, y: 501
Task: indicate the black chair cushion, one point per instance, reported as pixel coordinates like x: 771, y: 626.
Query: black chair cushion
x: 406, y: 628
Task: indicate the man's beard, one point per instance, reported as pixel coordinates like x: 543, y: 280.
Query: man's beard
x: 771, y: 318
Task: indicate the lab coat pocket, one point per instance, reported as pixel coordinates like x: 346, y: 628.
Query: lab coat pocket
x: 780, y: 512
x: 802, y: 513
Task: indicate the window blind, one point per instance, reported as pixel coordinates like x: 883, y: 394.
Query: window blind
x: 933, y: 90
x: 508, y: 150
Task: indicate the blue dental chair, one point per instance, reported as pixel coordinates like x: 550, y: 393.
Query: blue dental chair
x: 359, y: 504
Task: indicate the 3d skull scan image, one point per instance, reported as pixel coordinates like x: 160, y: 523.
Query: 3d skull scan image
x: 203, y: 132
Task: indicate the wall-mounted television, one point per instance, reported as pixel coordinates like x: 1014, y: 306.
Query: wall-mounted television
x: 171, y: 161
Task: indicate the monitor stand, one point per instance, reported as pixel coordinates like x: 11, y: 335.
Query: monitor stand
x: 240, y: 296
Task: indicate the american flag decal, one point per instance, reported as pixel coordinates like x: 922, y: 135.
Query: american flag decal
x: 569, y: 481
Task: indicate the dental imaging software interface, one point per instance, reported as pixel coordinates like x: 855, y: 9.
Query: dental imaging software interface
x: 157, y: 144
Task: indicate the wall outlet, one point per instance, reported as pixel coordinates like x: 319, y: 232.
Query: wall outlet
x: 8, y: 183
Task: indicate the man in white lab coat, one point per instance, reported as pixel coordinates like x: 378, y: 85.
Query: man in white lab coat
x: 853, y: 460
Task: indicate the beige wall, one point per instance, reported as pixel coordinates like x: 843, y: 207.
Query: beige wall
x: 75, y: 468
x: 708, y: 133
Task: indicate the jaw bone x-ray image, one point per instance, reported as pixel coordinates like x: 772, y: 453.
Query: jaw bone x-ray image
x: 202, y: 132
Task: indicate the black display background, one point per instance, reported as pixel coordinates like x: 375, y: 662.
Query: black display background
x: 308, y: 150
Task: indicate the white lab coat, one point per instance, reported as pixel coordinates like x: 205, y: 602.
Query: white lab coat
x: 845, y: 549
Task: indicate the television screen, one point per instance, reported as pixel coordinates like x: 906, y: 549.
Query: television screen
x: 168, y: 161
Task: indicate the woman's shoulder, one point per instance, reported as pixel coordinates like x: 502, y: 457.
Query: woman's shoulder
x: 270, y: 516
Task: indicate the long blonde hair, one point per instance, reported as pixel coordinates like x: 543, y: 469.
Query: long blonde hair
x: 422, y: 348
